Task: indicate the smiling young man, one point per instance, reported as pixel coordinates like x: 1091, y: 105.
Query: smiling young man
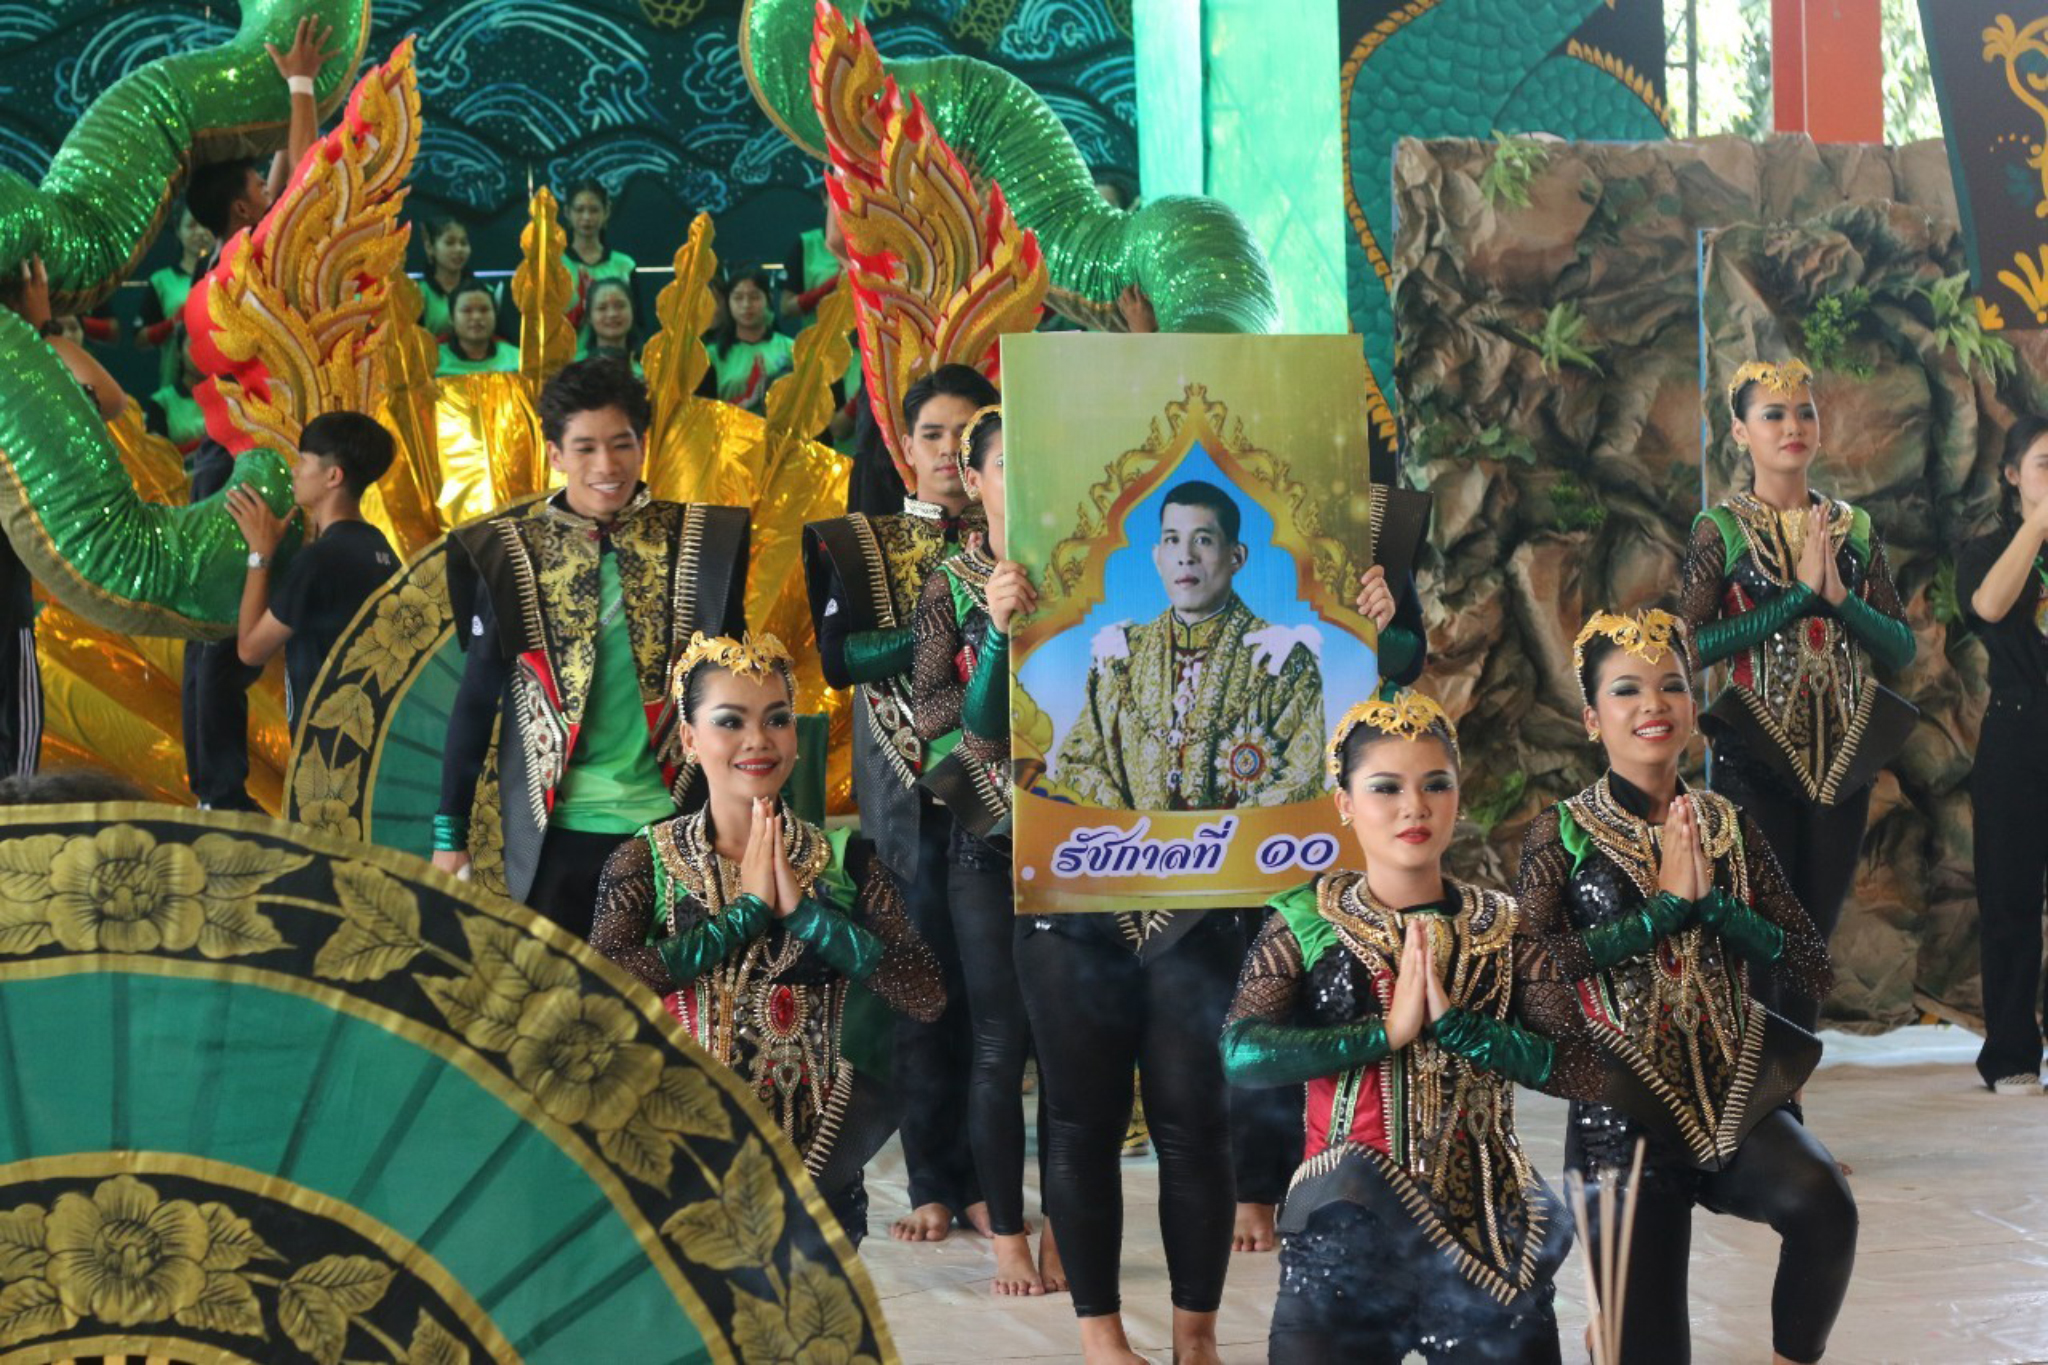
x: 1204, y: 707
x: 574, y: 609
x: 865, y: 574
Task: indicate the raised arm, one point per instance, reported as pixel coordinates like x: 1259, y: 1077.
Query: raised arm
x: 1875, y: 615
x: 1714, y: 639
x: 1262, y: 1047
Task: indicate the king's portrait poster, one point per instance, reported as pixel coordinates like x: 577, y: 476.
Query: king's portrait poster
x: 1195, y: 512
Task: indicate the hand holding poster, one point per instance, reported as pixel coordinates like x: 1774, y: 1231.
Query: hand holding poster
x: 1195, y: 512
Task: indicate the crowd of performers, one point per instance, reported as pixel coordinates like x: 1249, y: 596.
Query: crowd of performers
x: 1333, y: 1072
x: 1659, y: 963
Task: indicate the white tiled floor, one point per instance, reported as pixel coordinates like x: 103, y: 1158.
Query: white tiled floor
x: 1952, y: 1266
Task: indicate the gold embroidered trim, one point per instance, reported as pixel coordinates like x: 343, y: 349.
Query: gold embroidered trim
x: 877, y: 566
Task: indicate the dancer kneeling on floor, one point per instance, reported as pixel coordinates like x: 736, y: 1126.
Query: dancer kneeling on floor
x: 1658, y: 901
x: 1416, y: 1223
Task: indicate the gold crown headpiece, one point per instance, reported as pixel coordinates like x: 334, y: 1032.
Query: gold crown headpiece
x: 756, y: 657
x: 1783, y: 379
x: 1407, y: 714
x: 1646, y: 635
x: 966, y: 451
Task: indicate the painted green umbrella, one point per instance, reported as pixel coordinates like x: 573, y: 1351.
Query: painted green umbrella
x: 278, y: 1096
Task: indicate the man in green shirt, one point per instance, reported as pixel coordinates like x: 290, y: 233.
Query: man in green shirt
x: 574, y: 609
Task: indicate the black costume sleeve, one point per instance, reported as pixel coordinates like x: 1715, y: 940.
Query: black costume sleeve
x: 908, y: 978
x: 1876, y: 617
x: 486, y: 673
x: 1803, y: 966
x: 832, y: 632
x: 934, y: 680
x: 625, y: 915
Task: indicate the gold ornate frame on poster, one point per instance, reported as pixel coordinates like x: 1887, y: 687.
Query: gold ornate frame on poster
x: 1075, y: 576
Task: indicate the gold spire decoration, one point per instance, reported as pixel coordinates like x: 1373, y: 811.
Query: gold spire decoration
x: 939, y: 265
x: 1408, y: 714
x: 675, y: 359
x: 543, y: 293
x: 293, y: 317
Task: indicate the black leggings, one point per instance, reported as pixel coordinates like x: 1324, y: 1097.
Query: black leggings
x: 929, y: 1066
x: 565, y: 880
x: 868, y: 1120
x: 2008, y: 791
x: 985, y: 926
x: 1781, y: 1177
x: 1357, y: 1288
x: 1097, y: 1010
x: 1266, y: 1137
x: 1817, y: 846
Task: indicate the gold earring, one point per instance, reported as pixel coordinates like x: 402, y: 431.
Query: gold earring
x: 1593, y: 735
x: 1344, y: 818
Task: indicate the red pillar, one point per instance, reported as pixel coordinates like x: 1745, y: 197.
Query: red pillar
x: 1827, y: 69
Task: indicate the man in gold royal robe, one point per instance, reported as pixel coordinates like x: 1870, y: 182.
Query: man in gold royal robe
x: 1204, y: 707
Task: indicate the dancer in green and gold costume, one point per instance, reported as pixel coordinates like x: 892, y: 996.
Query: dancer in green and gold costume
x: 1416, y: 1223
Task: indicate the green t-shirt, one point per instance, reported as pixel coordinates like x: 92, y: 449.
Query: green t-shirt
x: 184, y: 423
x: 738, y: 381
x: 172, y: 287
x: 613, y: 785
x: 504, y: 358
x: 585, y: 351
x: 616, y: 265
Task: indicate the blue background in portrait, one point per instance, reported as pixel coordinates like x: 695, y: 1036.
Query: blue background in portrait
x: 1056, y: 674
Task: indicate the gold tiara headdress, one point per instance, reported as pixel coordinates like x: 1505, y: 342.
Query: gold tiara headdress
x: 966, y: 451
x: 1407, y: 714
x: 1646, y: 635
x: 756, y: 657
x: 1783, y: 379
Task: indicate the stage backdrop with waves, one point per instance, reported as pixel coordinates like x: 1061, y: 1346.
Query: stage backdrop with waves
x: 645, y: 95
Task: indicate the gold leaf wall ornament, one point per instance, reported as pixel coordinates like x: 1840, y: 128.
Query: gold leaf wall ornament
x: 675, y: 358
x: 543, y: 293
x: 939, y: 269
x: 2029, y: 282
x: 2015, y: 48
x: 290, y: 323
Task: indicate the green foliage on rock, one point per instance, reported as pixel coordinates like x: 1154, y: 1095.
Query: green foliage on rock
x: 1517, y: 161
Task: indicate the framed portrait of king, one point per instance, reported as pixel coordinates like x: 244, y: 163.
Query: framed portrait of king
x: 1195, y: 512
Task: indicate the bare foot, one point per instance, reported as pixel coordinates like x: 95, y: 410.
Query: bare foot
x: 1194, y: 1338
x: 1103, y: 1342
x: 977, y: 1218
x: 1254, y: 1228
x: 1015, y: 1274
x: 925, y: 1223
x: 1051, y: 1271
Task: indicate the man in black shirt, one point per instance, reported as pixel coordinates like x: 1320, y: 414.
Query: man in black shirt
x: 340, y: 455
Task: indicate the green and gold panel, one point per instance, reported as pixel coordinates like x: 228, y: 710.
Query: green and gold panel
x: 277, y: 1096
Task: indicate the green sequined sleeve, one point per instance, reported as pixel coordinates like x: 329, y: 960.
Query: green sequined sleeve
x: 701, y: 947
x: 1718, y: 640
x: 1876, y: 618
x: 874, y: 655
x: 1501, y: 1047
x: 1635, y: 933
x: 1740, y: 927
